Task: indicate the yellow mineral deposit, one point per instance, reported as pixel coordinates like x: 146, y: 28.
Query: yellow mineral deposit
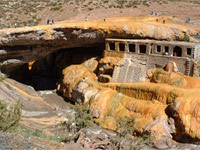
x: 149, y: 102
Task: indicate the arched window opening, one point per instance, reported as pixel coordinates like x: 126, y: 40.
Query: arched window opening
x: 112, y: 46
x: 143, y: 49
x: 158, y: 49
x: 177, y: 51
x: 189, y: 51
x: 131, y: 47
x: 167, y: 49
x: 121, y: 47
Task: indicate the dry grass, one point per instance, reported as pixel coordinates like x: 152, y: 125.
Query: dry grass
x: 27, y: 13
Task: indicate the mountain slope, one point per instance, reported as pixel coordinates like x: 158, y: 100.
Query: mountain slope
x: 26, y: 12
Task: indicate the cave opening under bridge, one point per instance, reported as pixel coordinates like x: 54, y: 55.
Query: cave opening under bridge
x: 43, y: 74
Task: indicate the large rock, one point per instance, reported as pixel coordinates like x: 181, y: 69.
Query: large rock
x: 162, y: 108
x: 162, y: 76
x: 76, y: 79
x: 185, y: 111
x: 107, y: 105
x: 22, y: 45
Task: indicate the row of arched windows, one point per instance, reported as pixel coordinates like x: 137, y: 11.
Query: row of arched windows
x: 142, y: 48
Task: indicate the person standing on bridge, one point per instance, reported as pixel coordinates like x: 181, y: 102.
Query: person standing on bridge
x: 175, y: 54
x: 15, y: 25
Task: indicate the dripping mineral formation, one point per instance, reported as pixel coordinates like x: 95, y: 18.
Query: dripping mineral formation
x: 121, y: 67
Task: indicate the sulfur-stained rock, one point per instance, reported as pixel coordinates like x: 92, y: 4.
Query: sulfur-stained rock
x: 108, y: 105
x: 162, y: 76
x: 165, y: 108
x: 74, y: 75
x: 22, y: 45
x: 91, y: 64
x: 185, y: 111
x: 107, y: 64
x: 171, y: 67
x: 104, y: 78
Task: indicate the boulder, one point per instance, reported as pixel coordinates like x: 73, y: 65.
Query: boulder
x: 107, y: 105
x: 76, y: 79
x: 185, y: 111
x: 166, y: 111
x: 159, y: 75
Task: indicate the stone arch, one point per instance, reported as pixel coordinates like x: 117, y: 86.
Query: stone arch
x: 177, y: 51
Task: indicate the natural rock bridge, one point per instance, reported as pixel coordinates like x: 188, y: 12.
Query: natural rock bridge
x: 166, y: 104
x: 22, y: 45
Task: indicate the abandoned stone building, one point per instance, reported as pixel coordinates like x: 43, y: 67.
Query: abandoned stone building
x: 140, y: 55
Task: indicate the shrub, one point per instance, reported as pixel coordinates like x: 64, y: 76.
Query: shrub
x: 9, y: 116
x: 90, y: 9
x: 81, y: 118
x: 125, y: 129
x: 125, y: 126
x: 156, y: 75
x: 186, y: 37
x: 38, y: 133
x: 2, y: 76
x: 131, y: 143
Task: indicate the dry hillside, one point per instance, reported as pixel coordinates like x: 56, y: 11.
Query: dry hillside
x: 33, y: 12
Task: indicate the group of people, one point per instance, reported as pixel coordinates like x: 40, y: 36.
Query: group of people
x: 166, y: 53
x: 27, y: 25
x: 152, y: 13
x: 50, y: 21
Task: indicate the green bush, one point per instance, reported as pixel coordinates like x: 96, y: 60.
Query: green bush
x: 38, y: 133
x: 2, y: 76
x: 156, y: 74
x: 186, y: 37
x: 125, y: 129
x: 9, y: 116
x: 81, y: 118
x: 125, y: 126
x: 135, y: 143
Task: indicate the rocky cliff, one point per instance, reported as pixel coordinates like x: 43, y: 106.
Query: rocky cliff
x: 165, y: 106
x: 22, y: 45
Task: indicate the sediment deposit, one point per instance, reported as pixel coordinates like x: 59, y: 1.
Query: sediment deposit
x: 164, y: 102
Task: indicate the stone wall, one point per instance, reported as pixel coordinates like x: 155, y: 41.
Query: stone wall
x: 134, y: 67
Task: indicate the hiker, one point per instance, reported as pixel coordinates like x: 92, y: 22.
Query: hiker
x: 48, y: 21
x: 165, y: 53
x: 15, y: 25
x: 175, y: 54
x: 152, y: 13
x: 188, y: 20
x: 104, y: 20
x: 52, y: 21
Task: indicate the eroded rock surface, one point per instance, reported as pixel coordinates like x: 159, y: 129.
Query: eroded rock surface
x: 160, y: 106
x: 22, y: 45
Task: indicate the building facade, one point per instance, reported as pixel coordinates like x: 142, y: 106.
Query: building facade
x: 148, y: 54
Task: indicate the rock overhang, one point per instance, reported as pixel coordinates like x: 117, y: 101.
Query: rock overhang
x: 25, y: 44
